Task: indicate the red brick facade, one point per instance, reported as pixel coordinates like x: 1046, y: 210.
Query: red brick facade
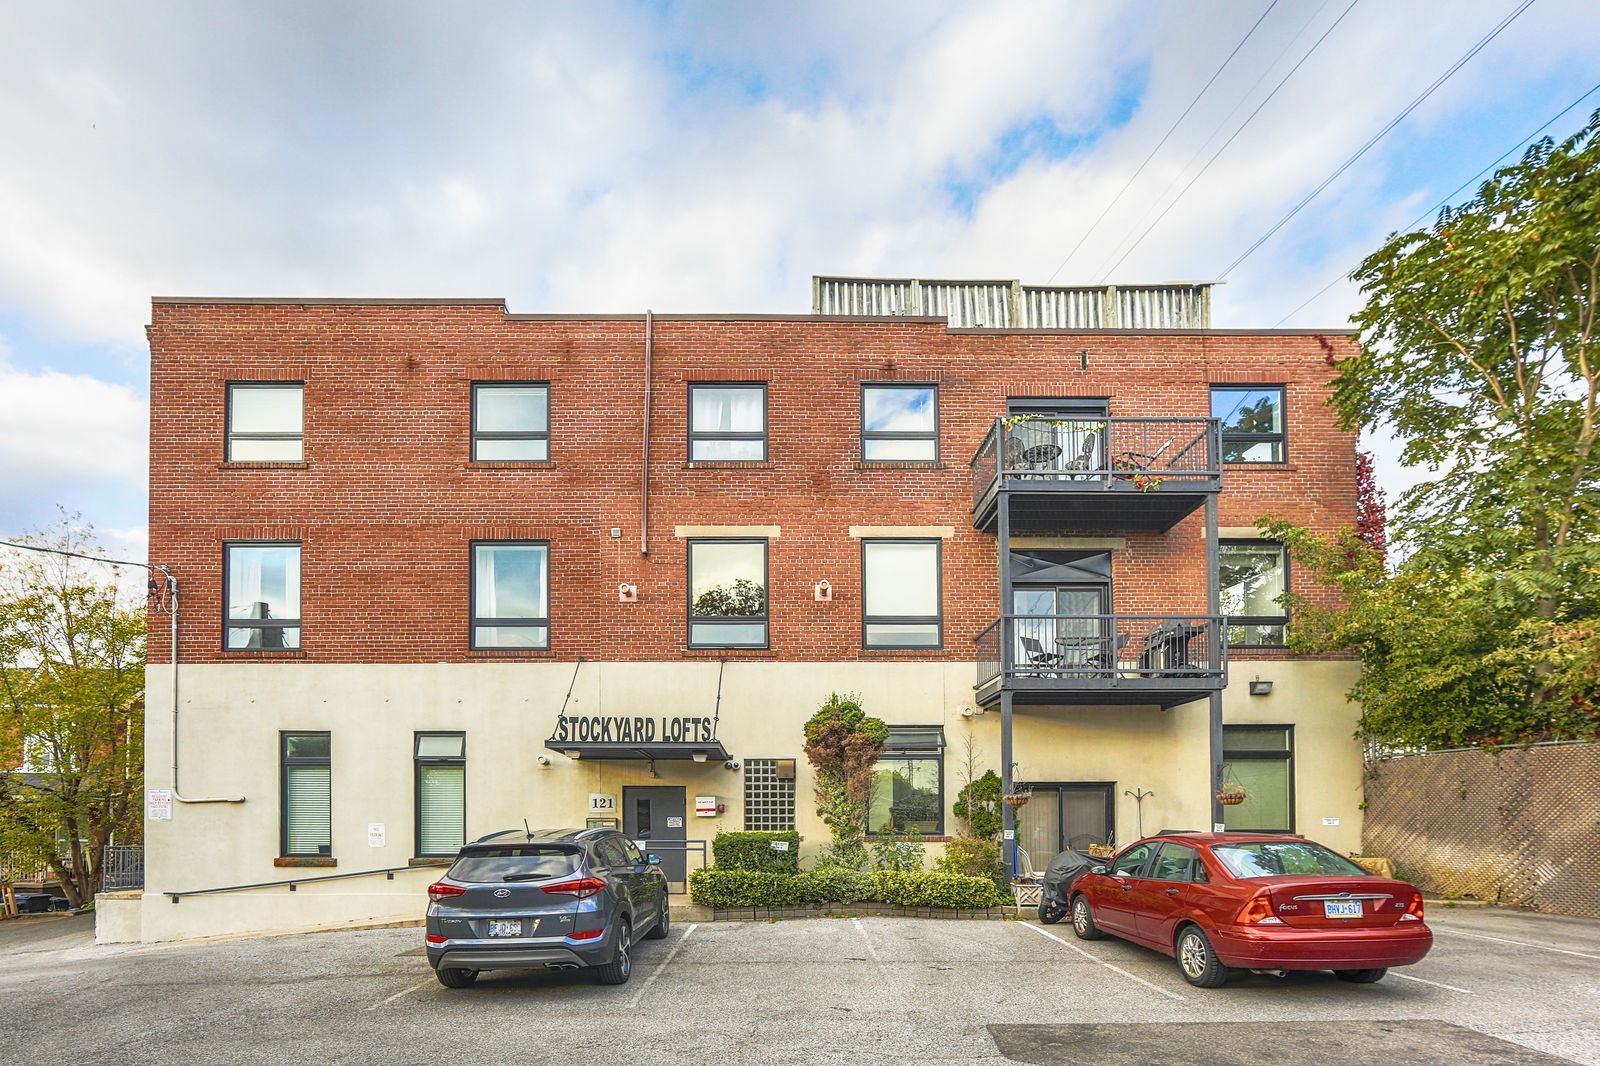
x: 386, y: 502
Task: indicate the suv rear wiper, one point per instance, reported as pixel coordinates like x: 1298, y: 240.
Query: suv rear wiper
x: 527, y: 877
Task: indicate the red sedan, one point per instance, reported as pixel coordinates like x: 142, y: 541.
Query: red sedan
x: 1252, y: 901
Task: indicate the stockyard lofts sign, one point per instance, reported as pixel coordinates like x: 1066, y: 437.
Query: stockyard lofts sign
x: 637, y: 737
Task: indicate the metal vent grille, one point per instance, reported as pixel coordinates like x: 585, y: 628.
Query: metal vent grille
x: 768, y: 799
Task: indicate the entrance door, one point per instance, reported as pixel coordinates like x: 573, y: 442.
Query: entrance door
x: 656, y: 813
x: 1065, y: 815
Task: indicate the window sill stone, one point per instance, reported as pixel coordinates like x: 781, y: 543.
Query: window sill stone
x: 423, y: 860
x: 298, y: 861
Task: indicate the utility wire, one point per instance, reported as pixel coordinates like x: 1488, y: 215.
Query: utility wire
x: 1184, y: 191
x: 1164, y: 138
x: 1449, y: 196
x: 1376, y: 137
x: 78, y: 555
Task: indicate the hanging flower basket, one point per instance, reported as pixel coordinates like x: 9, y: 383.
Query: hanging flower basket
x: 1232, y: 797
x: 1017, y: 799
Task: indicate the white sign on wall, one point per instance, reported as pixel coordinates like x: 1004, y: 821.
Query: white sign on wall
x: 779, y: 845
x: 1330, y: 821
x: 602, y: 803
x: 674, y: 823
x: 374, y: 834
x: 158, y: 804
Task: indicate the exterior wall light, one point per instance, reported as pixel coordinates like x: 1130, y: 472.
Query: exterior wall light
x: 573, y: 754
x: 822, y: 592
x: 627, y: 593
x: 1259, y: 687
x: 699, y: 756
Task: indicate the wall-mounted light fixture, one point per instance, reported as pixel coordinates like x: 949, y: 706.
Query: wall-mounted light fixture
x: 822, y: 592
x: 573, y: 754
x: 699, y: 756
x: 627, y: 593
x: 544, y: 760
x: 1259, y: 687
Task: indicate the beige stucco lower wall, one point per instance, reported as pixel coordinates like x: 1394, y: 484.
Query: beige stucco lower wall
x: 232, y: 714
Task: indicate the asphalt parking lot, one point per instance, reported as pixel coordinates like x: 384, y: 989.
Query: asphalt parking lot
x: 1500, y: 987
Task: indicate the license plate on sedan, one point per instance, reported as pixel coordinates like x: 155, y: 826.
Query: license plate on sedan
x: 1341, y: 908
x: 505, y: 927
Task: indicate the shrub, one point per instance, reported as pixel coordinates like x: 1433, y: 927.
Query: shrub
x: 720, y: 889
x: 974, y: 858
x: 922, y: 889
x: 978, y: 804
x: 754, y: 851
x: 833, y: 884
x: 894, y: 852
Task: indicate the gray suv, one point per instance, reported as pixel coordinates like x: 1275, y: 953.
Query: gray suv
x: 556, y: 899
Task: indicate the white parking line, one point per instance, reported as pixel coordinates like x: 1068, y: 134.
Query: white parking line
x: 877, y: 962
x: 1435, y: 984
x: 1102, y: 962
x: 1519, y: 943
x: 648, y: 981
x: 397, y: 995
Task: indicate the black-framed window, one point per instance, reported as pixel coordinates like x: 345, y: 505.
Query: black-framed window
x: 441, y: 775
x: 1254, y: 580
x: 266, y: 421
x: 261, y: 591
x: 728, y: 421
x: 1259, y: 759
x: 899, y: 422
x: 901, y: 594
x: 728, y: 593
x: 1252, y: 422
x: 511, y: 420
x: 908, y: 783
x: 306, y: 822
x: 1177, y: 862
x: 511, y: 594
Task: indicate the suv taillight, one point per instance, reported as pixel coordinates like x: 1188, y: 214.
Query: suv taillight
x: 443, y: 890
x: 583, y: 887
x: 1258, y: 912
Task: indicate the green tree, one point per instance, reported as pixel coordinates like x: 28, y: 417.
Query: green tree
x: 740, y: 599
x: 1477, y: 349
x: 843, y: 744
x: 978, y: 804
x: 71, y: 702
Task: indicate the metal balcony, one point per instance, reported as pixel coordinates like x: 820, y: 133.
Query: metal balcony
x: 1095, y: 474
x: 1100, y: 659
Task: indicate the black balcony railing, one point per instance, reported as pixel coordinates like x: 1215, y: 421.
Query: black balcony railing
x: 1102, y: 652
x: 1093, y: 454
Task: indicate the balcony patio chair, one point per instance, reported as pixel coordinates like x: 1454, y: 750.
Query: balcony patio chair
x: 1084, y: 460
x: 1135, y: 461
x: 1038, y: 658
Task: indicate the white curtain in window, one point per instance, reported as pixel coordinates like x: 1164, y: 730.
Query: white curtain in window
x: 902, y: 580
x: 731, y: 410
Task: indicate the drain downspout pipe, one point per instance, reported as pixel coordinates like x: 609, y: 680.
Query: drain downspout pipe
x: 644, y: 465
x: 177, y: 793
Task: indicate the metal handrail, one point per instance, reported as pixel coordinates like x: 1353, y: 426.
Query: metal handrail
x: 292, y: 882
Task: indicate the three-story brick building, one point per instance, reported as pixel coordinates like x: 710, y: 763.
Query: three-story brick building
x: 445, y: 568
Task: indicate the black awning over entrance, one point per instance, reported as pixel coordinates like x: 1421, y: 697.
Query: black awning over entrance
x: 702, y: 751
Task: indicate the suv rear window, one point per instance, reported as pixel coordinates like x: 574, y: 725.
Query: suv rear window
x: 1275, y: 858
x: 521, y: 862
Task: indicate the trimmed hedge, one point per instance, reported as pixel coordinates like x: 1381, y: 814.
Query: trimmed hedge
x: 754, y: 851
x: 937, y: 890
x: 723, y: 889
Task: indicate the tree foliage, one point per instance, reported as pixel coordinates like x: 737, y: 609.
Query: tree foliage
x: 978, y: 804
x: 742, y: 598
x: 1477, y: 349
x: 71, y: 701
x: 843, y: 744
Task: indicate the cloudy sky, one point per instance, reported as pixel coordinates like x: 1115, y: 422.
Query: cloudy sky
x: 698, y: 157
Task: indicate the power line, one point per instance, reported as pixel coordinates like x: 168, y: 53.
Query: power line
x: 1174, y: 128
x: 78, y: 555
x: 1450, y: 195
x: 1243, y: 126
x: 1376, y: 137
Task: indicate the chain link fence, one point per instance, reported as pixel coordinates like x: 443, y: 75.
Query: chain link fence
x: 1514, y: 825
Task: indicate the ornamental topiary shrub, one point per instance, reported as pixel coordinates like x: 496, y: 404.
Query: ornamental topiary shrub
x: 721, y: 889
x: 921, y: 889
x: 754, y: 851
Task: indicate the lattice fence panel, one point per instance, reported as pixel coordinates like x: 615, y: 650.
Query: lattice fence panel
x: 1518, y: 825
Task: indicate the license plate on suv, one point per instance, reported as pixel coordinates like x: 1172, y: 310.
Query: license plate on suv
x: 1341, y: 908
x: 513, y: 926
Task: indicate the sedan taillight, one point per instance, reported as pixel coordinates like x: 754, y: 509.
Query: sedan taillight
x: 1413, y: 909
x: 582, y: 888
x: 1258, y: 912
x: 443, y: 890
